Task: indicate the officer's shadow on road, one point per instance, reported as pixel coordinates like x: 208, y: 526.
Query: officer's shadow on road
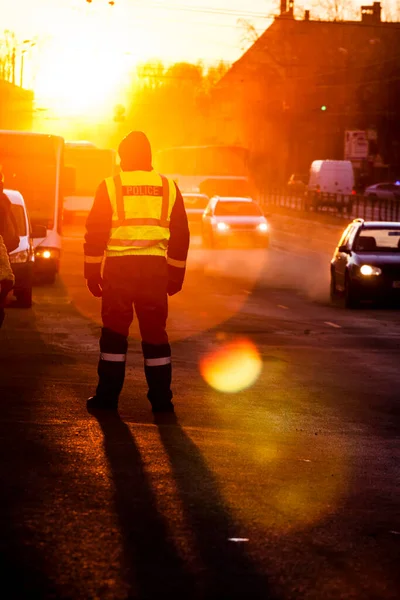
x: 229, y: 572
x: 152, y: 565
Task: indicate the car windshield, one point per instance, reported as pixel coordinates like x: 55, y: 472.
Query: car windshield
x: 19, y: 214
x: 199, y: 202
x: 379, y: 240
x: 237, y: 209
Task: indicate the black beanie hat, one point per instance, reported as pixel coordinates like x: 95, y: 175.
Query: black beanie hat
x: 135, y: 152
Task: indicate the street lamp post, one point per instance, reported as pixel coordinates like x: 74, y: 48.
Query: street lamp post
x: 23, y: 51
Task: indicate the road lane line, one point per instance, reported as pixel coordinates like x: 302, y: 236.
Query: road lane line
x: 283, y: 306
x: 333, y: 324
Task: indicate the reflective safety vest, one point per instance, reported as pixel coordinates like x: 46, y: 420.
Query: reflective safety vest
x: 142, y: 202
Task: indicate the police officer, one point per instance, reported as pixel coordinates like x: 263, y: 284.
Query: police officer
x: 138, y: 220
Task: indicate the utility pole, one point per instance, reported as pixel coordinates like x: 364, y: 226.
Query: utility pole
x: 21, y: 75
x: 13, y: 65
x: 23, y: 51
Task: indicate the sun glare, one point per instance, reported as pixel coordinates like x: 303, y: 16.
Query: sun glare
x: 80, y: 80
x: 233, y: 367
x: 85, y: 66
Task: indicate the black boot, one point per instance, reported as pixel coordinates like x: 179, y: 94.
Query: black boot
x: 158, y: 377
x: 111, y: 371
x: 159, y: 382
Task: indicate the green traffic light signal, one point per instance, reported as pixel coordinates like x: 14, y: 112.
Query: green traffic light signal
x: 323, y: 107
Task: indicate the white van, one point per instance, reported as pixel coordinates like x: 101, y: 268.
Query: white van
x: 331, y: 177
x: 22, y: 258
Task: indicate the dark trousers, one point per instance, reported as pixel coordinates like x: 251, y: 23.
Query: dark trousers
x: 135, y: 283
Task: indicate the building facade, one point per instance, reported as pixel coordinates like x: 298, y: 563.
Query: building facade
x: 292, y: 96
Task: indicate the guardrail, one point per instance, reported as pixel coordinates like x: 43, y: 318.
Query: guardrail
x: 343, y: 206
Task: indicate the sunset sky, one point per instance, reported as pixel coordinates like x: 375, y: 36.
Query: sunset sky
x: 84, y: 53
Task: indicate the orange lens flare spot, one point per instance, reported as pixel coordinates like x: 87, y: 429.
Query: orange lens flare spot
x: 233, y: 367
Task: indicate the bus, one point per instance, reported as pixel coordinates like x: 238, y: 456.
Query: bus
x: 211, y: 170
x: 91, y: 166
x: 32, y: 163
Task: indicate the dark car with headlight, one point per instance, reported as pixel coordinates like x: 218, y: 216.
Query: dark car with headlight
x: 366, y: 263
x: 234, y: 221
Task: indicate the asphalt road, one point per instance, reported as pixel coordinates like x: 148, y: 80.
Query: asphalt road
x: 288, y: 489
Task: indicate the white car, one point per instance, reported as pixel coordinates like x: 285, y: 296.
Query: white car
x: 22, y: 258
x: 383, y: 191
x: 232, y: 221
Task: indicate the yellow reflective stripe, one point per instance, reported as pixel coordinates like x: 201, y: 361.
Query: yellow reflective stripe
x: 137, y: 243
x: 134, y: 226
x: 119, y: 198
x: 150, y: 251
x: 165, y: 200
x: 181, y: 264
x: 137, y: 221
x: 93, y: 259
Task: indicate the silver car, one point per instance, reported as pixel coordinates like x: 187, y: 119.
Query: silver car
x: 234, y: 221
x: 383, y: 191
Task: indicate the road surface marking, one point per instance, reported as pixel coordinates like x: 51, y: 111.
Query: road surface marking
x: 238, y: 540
x: 283, y: 306
x: 333, y: 324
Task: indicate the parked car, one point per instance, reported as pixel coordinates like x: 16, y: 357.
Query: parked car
x: 22, y: 258
x: 366, y: 263
x: 231, y: 221
x: 297, y: 183
x: 195, y: 204
x: 383, y: 191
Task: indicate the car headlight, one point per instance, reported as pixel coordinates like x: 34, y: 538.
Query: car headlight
x: 19, y: 257
x: 44, y: 254
x: 222, y: 226
x: 368, y: 270
x: 262, y: 227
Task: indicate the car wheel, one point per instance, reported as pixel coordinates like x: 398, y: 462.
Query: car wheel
x: 24, y: 297
x: 351, y: 299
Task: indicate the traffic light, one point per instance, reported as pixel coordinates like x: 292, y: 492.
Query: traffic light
x: 324, y: 107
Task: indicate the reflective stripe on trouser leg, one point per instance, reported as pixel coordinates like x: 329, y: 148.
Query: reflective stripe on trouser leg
x: 158, y: 371
x: 111, y: 368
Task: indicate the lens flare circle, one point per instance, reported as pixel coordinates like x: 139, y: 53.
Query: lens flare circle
x: 233, y: 367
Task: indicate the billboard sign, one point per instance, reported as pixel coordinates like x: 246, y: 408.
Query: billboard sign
x: 356, y: 145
